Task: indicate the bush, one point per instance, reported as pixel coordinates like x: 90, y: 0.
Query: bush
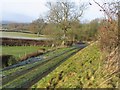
x: 108, y: 36
x: 12, y: 60
x: 7, y: 60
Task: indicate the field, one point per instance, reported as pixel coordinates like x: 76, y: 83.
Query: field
x: 26, y: 75
x: 15, y: 54
x: 83, y: 70
x: 21, y: 35
x: 18, y: 34
x: 19, y: 51
x: 63, y: 48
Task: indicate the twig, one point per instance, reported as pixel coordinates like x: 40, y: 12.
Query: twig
x: 105, y: 81
x: 103, y: 9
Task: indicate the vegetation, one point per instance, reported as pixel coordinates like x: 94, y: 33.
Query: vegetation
x: 95, y: 66
x: 16, y: 26
x: 109, y: 27
x: 45, y: 57
x: 83, y: 70
x: 18, y: 34
x: 37, y: 26
x: 19, y: 51
x: 108, y: 35
x: 77, y: 32
x: 28, y: 77
x: 62, y: 14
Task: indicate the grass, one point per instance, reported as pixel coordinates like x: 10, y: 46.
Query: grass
x: 19, y: 51
x: 18, y: 82
x: 27, y: 66
x: 19, y: 34
x: 83, y: 70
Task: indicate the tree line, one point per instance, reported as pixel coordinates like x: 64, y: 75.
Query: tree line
x: 63, y: 23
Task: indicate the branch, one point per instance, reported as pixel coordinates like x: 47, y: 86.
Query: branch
x: 103, y: 9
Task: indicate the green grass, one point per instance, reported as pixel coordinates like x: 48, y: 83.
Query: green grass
x: 19, y: 51
x: 83, y: 70
x: 19, y: 34
x: 29, y: 76
x: 46, y: 55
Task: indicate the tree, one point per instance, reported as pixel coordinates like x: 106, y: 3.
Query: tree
x: 73, y: 32
x: 64, y: 12
x: 108, y: 34
x: 37, y: 26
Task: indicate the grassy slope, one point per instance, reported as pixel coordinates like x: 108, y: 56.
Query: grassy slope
x: 83, y: 70
x: 19, y: 51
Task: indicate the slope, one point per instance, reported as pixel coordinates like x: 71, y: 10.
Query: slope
x: 83, y: 70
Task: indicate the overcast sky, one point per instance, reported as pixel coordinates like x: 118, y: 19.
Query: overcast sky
x: 33, y: 9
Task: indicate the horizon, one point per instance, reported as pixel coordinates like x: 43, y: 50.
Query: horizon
x: 27, y: 11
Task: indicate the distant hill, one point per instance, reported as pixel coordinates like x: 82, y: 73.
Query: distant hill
x: 8, y: 22
x: 15, y: 18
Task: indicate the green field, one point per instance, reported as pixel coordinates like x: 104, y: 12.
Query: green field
x: 18, y: 34
x: 83, y: 70
x: 23, y: 75
x: 19, y: 51
x: 23, y: 35
x: 46, y: 55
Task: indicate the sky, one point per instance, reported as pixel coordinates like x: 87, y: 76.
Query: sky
x: 29, y: 10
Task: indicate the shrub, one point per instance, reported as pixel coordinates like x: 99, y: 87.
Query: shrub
x: 12, y: 60
x: 7, y: 60
x: 108, y: 36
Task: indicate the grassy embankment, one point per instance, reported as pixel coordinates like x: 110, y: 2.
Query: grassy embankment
x: 83, y: 70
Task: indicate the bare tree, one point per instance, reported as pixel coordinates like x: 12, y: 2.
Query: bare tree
x: 62, y: 13
x: 37, y: 26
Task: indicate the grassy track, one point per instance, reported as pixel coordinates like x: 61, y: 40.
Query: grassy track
x: 45, y: 57
x: 39, y: 70
x: 15, y: 72
x: 83, y: 70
